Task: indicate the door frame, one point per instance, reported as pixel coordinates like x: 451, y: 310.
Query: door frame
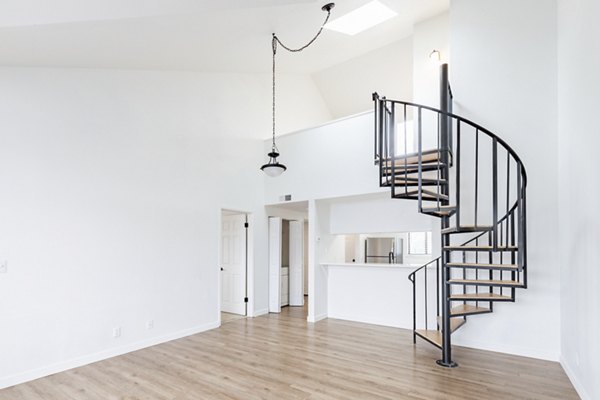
x: 249, y: 259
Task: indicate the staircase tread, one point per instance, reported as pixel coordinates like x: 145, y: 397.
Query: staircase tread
x: 480, y: 296
x: 467, y: 229
x: 434, y: 194
x: 432, y: 336
x: 413, y: 166
x: 427, y: 195
x: 483, y: 265
x: 427, y: 156
x: 402, y: 178
x: 479, y: 247
x: 448, y: 213
x: 490, y: 282
x: 465, y: 309
x: 455, y: 323
x: 439, y: 208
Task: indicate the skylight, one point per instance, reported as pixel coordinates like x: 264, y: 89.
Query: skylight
x: 362, y: 18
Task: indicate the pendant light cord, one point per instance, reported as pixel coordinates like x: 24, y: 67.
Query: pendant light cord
x: 276, y: 41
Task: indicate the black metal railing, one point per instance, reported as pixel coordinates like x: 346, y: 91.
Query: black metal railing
x: 390, y: 163
x: 475, y: 170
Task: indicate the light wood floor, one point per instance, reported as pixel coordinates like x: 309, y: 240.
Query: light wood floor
x: 228, y: 317
x: 284, y: 357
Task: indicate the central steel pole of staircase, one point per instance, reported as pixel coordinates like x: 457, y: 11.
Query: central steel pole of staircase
x: 445, y: 150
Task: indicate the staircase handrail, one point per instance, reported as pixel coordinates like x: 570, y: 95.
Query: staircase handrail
x: 468, y: 122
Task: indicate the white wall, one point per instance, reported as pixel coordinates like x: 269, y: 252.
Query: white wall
x: 332, y: 160
x: 347, y: 87
x: 318, y: 216
x: 112, y: 184
x: 431, y: 34
x: 503, y: 73
x: 378, y: 213
x: 579, y: 233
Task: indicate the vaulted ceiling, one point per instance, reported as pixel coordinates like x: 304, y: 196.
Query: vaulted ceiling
x: 204, y: 35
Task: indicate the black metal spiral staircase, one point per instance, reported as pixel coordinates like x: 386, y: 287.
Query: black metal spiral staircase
x: 476, y: 184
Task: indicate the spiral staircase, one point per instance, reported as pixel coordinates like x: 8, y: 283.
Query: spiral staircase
x: 475, y: 183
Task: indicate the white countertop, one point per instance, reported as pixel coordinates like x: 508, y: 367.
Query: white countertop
x: 370, y: 265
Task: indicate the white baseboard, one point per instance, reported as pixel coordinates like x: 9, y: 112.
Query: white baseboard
x: 316, y: 318
x: 260, y: 312
x: 539, y: 354
x: 41, y: 372
x: 574, y: 380
x: 366, y: 319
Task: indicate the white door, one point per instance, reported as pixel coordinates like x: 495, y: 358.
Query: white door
x: 274, y: 264
x: 285, y: 286
x: 233, y: 264
x: 296, y: 273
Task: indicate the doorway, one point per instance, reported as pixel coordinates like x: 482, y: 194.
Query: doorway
x: 234, y: 265
x: 286, y: 263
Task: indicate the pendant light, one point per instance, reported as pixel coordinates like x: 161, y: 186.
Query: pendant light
x: 273, y: 168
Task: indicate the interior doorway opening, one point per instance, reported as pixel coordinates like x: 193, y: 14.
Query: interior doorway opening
x: 288, y: 250
x: 233, y: 265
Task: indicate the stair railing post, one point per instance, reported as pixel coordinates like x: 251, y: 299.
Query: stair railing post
x: 414, y: 294
x: 446, y: 360
x: 520, y: 218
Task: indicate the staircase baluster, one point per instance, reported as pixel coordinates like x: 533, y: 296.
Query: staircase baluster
x: 512, y: 253
x: 464, y: 260
x: 476, y: 173
x: 438, y: 160
x: 376, y: 128
x: 382, y: 160
x: 524, y: 237
x: 385, y: 141
x: 420, y: 164
x: 491, y: 261
x: 477, y: 269
x: 507, y: 192
x: 457, y: 212
x: 437, y: 284
x: 392, y: 143
x: 501, y: 241
x: 405, y: 158
x: 495, y: 192
x: 426, y: 305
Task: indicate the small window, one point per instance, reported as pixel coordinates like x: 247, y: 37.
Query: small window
x: 419, y: 243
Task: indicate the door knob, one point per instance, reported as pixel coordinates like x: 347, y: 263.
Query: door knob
x: 222, y: 269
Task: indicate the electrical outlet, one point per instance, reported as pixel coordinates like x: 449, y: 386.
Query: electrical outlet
x: 3, y: 267
x: 150, y: 324
x: 117, y: 332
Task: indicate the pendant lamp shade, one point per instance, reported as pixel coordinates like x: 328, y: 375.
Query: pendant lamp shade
x: 273, y: 168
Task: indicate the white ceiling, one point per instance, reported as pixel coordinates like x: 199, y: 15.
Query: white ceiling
x: 205, y: 35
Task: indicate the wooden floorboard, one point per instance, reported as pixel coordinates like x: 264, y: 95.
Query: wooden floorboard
x: 284, y: 357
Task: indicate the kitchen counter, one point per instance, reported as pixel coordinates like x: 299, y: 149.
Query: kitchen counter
x: 372, y: 293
